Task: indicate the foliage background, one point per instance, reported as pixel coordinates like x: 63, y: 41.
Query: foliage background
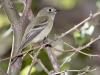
x: 72, y: 12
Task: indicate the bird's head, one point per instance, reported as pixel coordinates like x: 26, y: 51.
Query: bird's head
x: 48, y: 11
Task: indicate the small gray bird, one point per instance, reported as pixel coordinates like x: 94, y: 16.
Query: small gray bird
x: 38, y: 29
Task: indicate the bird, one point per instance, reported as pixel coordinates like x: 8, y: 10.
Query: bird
x: 38, y: 29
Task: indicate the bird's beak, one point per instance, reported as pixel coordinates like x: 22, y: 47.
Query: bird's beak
x: 57, y: 10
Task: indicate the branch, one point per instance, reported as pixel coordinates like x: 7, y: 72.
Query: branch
x: 81, y: 23
x: 3, y: 72
x: 73, y: 50
x: 16, y: 23
x: 74, y: 28
x: 34, y: 60
x: 41, y: 64
x: 20, y: 54
x: 27, y: 12
x: 32, y: 64
x: 52, y: 58
x: 45, y: 69
x: 81, y: 48
x: 84, y: 70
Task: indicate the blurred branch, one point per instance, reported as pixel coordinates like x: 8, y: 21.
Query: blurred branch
x: 1, y: 6
x: 93, y: 16
x: 83, y: 70
x: 39, y: 61
x: 74, y: 49
x: 15, y: 21
x: 25, y: 52
x: 45, y: 69
x: 27, y: 5
x: 81, y: 23
x: 3, y: 72
x: 34, y: 60
x: 18, y: 25
x: 81, y: 48
x: 32, y: 64
x: 86, y: 70
x: 27, y: 12
x: 52, y: 58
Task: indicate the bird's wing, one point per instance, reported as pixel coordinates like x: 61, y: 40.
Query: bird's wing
x: 34, y: 31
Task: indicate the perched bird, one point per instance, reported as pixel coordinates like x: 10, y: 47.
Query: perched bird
x: 38, y: 29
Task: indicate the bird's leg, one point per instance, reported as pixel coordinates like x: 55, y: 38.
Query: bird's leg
x: 45, y: 40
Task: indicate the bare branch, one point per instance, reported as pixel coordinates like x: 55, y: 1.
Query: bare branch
x: 3, y: 72
x: 32, y: 64
x: 28, y: 51
x: 16, y: 23
x: 27, y: 5
x: 68, y: 58
x: 78, y: 50
x: 83, y: 70
x: 27, y: 12
x: 72, y: 50
x: 81, y: 48
x: 41, y: 64
x: 45, y: 69
x: 52, y: 58
x: 76, y: 26
x: 34, y: 60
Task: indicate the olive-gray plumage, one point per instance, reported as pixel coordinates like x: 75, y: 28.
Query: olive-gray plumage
x: 38, y: 29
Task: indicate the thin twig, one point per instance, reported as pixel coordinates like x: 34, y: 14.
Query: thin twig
x: 81, y: 48
x: 68, y: 59
x: 28, y: 51
x: 72, y: 29
x: 31, y: 48
x: 3, y: 72
x: 87, y: 70
x: 76, y: 71
x: 45, y: 69
x: 55, y: 49
x: 78, y: 50
x: 34, y: 60
x: 78, y: 25
x: 39, y: 61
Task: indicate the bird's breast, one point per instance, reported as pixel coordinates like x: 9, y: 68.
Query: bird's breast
x: 43, y: 34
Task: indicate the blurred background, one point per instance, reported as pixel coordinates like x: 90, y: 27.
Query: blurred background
x: 71, y: 13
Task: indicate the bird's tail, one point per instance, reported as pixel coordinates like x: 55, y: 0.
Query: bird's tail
x: 19, y: 51
x: 14, y: 60
x: 23, y: 45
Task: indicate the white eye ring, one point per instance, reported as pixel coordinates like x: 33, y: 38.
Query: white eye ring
x: 49, y: 10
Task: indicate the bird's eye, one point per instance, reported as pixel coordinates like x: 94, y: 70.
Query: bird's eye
x: 49, y: 10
